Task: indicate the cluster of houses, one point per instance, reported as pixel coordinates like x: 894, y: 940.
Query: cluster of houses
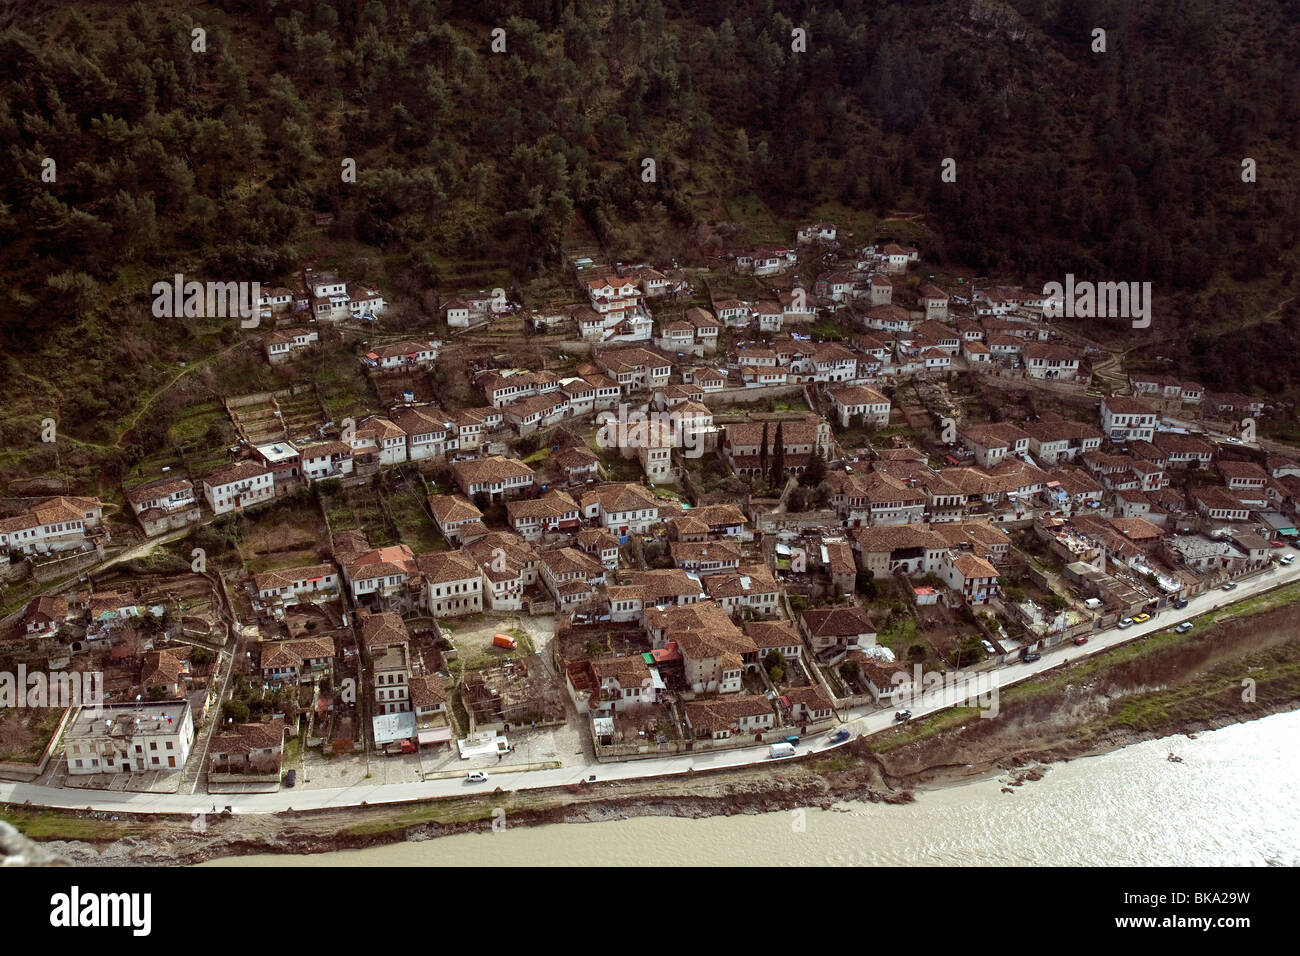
x: 711, y: 611
x: 319, y: 297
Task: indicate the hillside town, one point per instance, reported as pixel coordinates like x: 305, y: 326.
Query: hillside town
x: 730, y: 503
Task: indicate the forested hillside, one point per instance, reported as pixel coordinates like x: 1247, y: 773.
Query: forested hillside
x: 1124, y: 164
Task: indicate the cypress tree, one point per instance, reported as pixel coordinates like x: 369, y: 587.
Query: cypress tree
x: 778, y: 459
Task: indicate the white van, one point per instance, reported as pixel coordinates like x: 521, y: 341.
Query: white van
x: 781, y: 750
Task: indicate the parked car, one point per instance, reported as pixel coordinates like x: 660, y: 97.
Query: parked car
x: 1180, y: 603
x: 1233, y: 440
x: 291, y: 778
x: 902, y: 715
x: 1141, y: 618
x: 1030, y: 656
x: 476, y: 776
x: 781, y: 749
x: 989, y: 648
x: 1288, y: 559
x: 1125, y: 622
x: 792, y: 740
x: 1081, y: 640
x: 1184, y: 627
x: 1230, y: 586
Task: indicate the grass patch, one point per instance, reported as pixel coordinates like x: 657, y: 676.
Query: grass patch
x: 57, y: 825
x: 446, y: 813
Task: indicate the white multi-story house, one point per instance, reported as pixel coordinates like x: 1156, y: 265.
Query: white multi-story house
x: 402, y: 355
x: 239, y: 486
x: 367, y: 302
x: 130, y: 738
x: 995, y: 441
x: 621, y: 508
x: 495, y: 477
x: 618, y: 303
x: 164, y: 504
x: 1047, y: 361
x: 1052, y: 442
x: 896, y: 257
x: 331, y: 459
x: 328, y: 294
x: 381, y: 437
x: 534, y: 517
x: 969, y: 575
x: 282, y: 343
x: 381, y: 578
x: 453, y: 583
x: 428, y: 430
x: 451, y: 513
x: 294, y: 585
x: 456, y: 312
x: 635, y: 369
x: 1127, y: 419
x: 58, y: 524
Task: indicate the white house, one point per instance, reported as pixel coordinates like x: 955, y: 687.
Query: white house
x: 1127, y: 419
x: 239, y: 486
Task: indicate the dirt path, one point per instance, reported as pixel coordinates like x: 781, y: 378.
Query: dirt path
x: 131, y: 422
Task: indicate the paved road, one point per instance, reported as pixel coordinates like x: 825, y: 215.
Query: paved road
x: 859, y: 721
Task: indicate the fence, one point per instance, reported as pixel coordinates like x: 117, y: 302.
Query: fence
x: 50, y: 568
x: 740, y: 396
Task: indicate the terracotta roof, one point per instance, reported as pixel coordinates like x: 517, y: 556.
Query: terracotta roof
x: 440, y: 567
x: 971, y: 566
x: 745, y: 580
x: 384, y: 630
x: 837, y: 621
x: 620, y: 497
x: 161, y: 488
x: 449, y: 509
x: 553, y: 504
x: 488, y: 470
x: 249, y: 737
x: 243, y: 471
x: 722, y: 713
x: 812, y: 697
x: 161, y: 668
x: 1122, y: 405
x: 427, y: 690
x: 287, y: 576
x: 857, y: 395
x: 770, y: 634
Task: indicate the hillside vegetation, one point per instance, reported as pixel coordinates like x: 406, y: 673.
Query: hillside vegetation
x: 473, y: 164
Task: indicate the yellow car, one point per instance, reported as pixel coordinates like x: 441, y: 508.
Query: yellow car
x: 1139, y: 618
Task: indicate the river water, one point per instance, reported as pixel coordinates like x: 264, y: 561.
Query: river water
x: 1234, y: 800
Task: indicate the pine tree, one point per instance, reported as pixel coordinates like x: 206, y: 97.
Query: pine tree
x: 762, y: 452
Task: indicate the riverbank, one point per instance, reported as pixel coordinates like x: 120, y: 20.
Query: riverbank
x: 1157, y: 686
